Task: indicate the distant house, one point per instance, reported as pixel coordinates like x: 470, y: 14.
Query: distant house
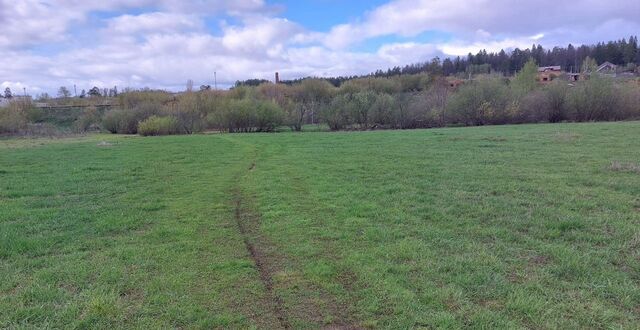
x: 607, y: 68
x: 553, y: 68
x: 575, y: 76
x: 548, y: 73
x: 454, y: 83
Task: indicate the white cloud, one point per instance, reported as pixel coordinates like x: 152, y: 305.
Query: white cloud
x: 461, y: 48
x: 492, y: 17
x: 259, y: 36
x: 157, y: 22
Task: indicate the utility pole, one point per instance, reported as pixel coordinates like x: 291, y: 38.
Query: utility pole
x: 74, y: 90
x: 215, y: 80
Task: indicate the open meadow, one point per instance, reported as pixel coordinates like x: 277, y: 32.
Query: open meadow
x: 525, y: 226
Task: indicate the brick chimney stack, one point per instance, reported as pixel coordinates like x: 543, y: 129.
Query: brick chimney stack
x: 277, y: 78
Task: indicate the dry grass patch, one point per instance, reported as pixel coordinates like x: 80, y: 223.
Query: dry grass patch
x: 624, y: 167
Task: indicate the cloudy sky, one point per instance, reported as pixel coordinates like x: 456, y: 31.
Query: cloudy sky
x: 45, y: 44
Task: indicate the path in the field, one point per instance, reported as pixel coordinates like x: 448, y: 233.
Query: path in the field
x: 248, y: 225
x: 299, y: 309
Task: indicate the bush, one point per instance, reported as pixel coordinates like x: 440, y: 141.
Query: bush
x: 251, y: 115
x: 629, y: 100
x: 13, y: 118
x: 189, y: 111
x: 125, y: 121
x: 485, y: 101
x: 238, y: 116
x: 557, y: 104
x: 268, y: 116
x: 89, y: 117
x: 594, y: 99
x: 382, y: 111
x: 120, y: 122
x: 155, y: 125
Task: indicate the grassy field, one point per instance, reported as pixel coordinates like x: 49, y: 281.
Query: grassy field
x: 532, y: 226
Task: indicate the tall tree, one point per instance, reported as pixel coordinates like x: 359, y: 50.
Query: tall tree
x: 589, y: 65
x: 95, y: 91
x: 63, y: 92
x: 7, y: 93
x: 525, y: 80
x: 630, y: 50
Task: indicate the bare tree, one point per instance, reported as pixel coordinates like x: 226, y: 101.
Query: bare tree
x: 310, y: 95
x: 63, y: 92
x: 437, y: 98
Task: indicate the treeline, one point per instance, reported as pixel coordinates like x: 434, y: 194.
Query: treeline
x: 397, y: 102
x: 623, y: 52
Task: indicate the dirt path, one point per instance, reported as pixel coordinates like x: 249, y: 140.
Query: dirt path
x: 248, y: 225
x: 293, y: 300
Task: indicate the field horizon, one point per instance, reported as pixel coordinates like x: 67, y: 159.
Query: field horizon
x: 515, y: 226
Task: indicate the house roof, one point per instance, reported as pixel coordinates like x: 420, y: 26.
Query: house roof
x: 605, y: 65
x: 549, y: 68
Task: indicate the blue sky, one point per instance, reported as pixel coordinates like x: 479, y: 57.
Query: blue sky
x: 322, y: 15
x: 162, y: 43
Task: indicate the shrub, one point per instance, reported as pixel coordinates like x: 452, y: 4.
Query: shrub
x: 557, y: 105
x: 155, y: 125
x: 189, y: 111
x: 594, y: 99
x: 629, y: 100
x: 482, y: 102
x: 251, y: 115
x: 120, y: 121
x: 89, y: 117
x: 382, y: 111
x: 336, y: 114
x: 125, y: 121
x: 268, y: 116
x: 311, y: 95
x: 238, y: 116
x: 34, y: 114
x: 13, y: 118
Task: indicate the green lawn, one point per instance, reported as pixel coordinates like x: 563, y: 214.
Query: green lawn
x: 485, y: 227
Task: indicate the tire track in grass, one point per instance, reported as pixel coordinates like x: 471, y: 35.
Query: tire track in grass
x: 247, y: 225
x: 271, y: 264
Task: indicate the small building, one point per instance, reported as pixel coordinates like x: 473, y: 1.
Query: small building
x: 454, y: 83
x: 574, y: 76
x: 607, y: 68
x: 553, y: 68
x: 549, y: 73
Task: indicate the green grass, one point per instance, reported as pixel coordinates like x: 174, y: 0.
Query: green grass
x: 532, y: 226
